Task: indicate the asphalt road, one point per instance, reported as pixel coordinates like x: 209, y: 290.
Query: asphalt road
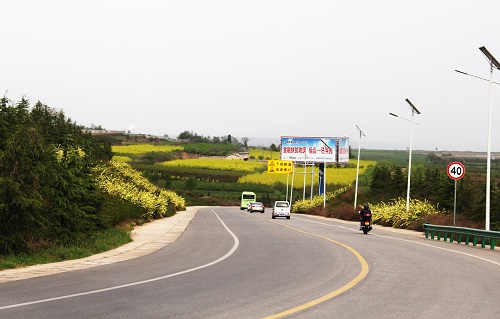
x: 229, y: 263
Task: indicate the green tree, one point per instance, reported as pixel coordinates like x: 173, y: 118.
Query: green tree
x: 191, y: 183
x: 23, y: 176
x: 47, y: 189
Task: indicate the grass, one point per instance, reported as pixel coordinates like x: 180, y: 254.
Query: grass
x: 99, y: 242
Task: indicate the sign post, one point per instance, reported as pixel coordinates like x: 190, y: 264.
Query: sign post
x: 456, y: 171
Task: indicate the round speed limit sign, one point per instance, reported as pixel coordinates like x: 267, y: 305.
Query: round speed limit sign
x: 456, y: 170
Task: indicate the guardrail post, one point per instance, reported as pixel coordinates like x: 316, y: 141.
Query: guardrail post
x: 483, y: 242
x: 467, y: 239
x: 459, y: 238
x: 474, y: 241
x: 492, y: 243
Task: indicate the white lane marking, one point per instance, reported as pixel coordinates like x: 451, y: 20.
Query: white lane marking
x: 408, y: 240
x: 229, y: 253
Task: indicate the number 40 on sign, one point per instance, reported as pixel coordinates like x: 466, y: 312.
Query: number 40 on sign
x: 456, y: 170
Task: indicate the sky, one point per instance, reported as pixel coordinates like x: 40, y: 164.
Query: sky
x: 262, y: 69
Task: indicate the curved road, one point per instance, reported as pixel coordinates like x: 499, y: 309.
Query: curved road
x: 232, y: 264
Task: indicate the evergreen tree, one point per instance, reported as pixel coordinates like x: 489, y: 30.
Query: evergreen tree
x: 47, y: 189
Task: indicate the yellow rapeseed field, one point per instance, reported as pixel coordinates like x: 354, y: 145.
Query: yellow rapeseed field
x: 344, y: 176
x: 142, y: 149
x: 219, y: 164
x: 264, y: 154
x: 120, y: 158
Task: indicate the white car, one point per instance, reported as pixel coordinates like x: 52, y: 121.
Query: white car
x: 256, y: 207
x: 281, y: 208
x: 249, y: 205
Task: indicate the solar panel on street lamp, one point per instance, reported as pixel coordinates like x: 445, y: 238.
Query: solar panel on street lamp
x: 490, y: 57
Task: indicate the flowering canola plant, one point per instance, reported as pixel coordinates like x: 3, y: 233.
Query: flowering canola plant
x: 122, y: 158
x: 301, y: 206
x: 343, y: 176
x: 394, y: 212
x: 119, y: 179
x: 142, y: 149
x: 219, y: 164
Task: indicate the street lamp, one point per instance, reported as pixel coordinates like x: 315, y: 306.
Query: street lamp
x: 493, y: 63
x: 357, y: 169
x: 475, y: 76
x: 413, y: 111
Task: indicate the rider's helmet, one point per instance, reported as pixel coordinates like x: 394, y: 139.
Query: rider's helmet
x: 366, y: 206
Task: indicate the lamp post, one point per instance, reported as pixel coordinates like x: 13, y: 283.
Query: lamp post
x: 475, y: 76
x: 413, y: 111
x: 493, y: 63
x: 357, y: 169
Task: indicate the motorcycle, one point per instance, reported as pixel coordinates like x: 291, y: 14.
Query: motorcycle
x: 366, y: 223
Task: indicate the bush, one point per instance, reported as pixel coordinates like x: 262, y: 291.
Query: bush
x: 394, y: 212
x: 302, y: 206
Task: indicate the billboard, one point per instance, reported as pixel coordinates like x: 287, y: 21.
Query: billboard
x: 343, y: 144
x: 308, y: 149
x: 315, y: 149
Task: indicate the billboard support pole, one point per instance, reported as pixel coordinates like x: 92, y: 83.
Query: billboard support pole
x: 324, y: 186
x: 304, y: 188
x: 312, y: 179
x: 291, y: 188
x: 321, y: 174
x: 287, y: 178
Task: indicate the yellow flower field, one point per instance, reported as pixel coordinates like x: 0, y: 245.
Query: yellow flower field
x: 125, y: 159
x: 343, y: 176
x: 219, y: 164
x: 142, y: 149
x: 264, y: 153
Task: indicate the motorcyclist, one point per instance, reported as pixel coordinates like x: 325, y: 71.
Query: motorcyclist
x: 365, y: 214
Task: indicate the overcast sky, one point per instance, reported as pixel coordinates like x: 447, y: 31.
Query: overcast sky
x: 261, y: 68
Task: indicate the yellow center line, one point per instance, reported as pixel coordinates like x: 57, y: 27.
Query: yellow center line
x: 364, y: 272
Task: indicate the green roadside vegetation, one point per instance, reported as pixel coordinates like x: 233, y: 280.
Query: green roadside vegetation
x: 98, y: 242
x: 62, y: 197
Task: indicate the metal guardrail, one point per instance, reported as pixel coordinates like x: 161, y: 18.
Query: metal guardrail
x: 449, y: 232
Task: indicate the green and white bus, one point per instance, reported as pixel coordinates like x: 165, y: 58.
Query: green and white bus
x: 247, y: 198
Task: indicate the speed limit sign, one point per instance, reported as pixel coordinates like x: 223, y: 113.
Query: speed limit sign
x: 456, y: 170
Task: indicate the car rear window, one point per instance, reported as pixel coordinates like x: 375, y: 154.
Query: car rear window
x: 284, y: 204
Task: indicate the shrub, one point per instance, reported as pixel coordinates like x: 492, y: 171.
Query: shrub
x: 119, y: 179
x: 394, y: 212
x: 302, y: 206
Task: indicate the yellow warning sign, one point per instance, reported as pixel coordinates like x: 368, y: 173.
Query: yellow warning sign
x: 279, y: 167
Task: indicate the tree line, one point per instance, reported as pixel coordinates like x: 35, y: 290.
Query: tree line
x: 390, y: 181
x: 226, y: 139
x: 48, y: 192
